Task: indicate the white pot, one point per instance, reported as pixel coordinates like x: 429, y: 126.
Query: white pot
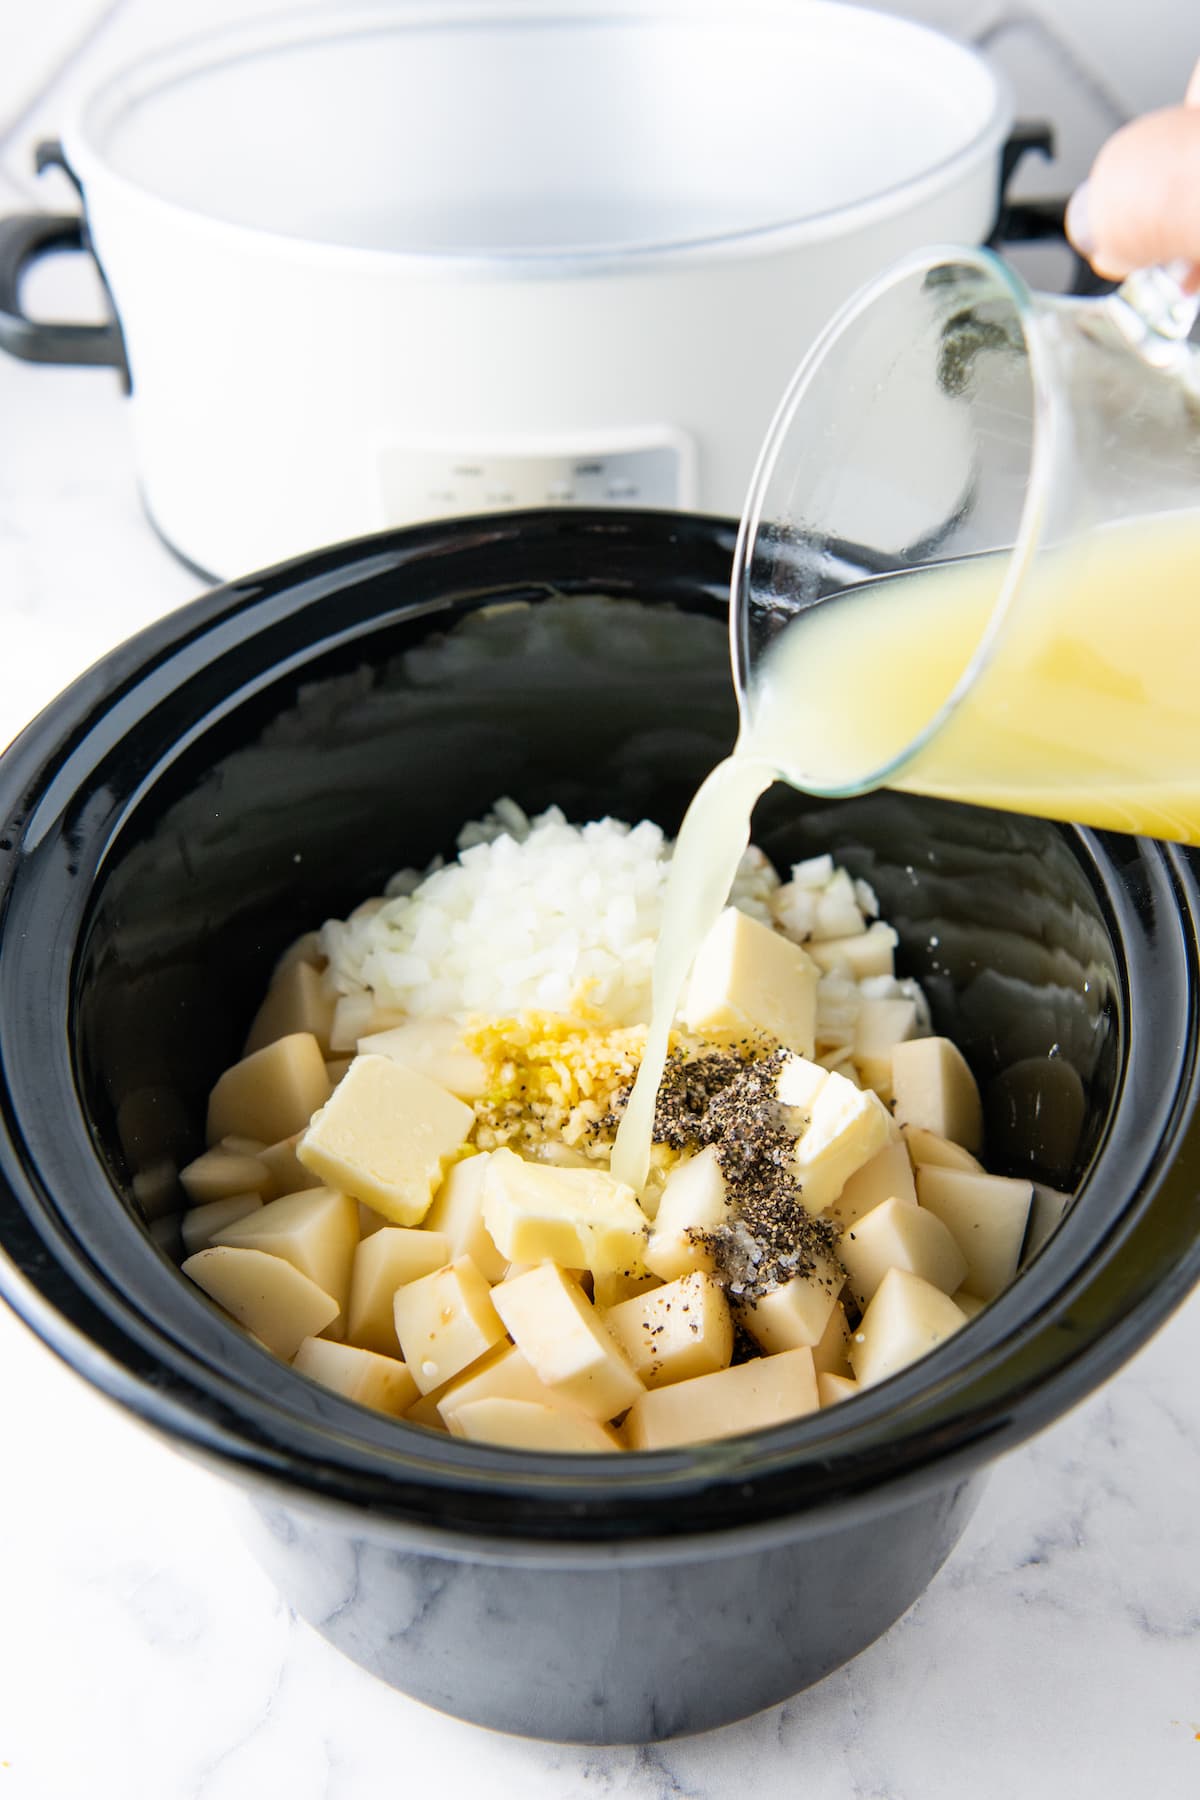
x: 373, y: 268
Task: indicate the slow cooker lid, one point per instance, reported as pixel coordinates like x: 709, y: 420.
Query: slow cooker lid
x: 454, y: 131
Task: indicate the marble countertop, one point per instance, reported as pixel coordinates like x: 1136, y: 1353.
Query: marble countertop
x: 144, y: 1655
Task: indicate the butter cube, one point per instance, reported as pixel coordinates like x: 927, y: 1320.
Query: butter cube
x: 934, y: 1088
x: 750, y: 1396
x: 380, y: 1382
x: 840, y: 1128
x: 831, y: 1354
x: 693, y: 1203
x: 457, y: 1212
x: 503, y: 1374
x: 288, y: 1173
x: 219, y: 1172
x: 748, y: 978
x: 297, y: 1000
x: 906, y: 1318
x: 859, y: 955
x: 270, y: 1094
x: 882, y: 1023
x: 265, y: 1294
x: 433, y: 1047
x: 832, y: 1388
x: 198, y: 1225
x: 524, y: 1425
x: 557, y: 1329
x: 926, y: 1147
x: 316, y: 1231
x: 680, y: 1330
x: 987, y: 1216
x: 385, y: 1261
x: 894, y: 1235
x: 796, y: 1314
x: 888, y: 1176
x: 445, y: 1322
x: 579, y: 1218
x: 384, y: 1136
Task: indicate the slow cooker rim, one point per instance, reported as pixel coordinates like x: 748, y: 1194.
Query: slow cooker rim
x: 89, y: 162
x: 31, y: 769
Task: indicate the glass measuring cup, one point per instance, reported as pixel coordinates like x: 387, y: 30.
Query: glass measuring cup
x: 969, y: 563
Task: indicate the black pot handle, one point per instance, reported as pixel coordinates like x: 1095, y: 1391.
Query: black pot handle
x: 23, y: 239
x: 1037, y: 221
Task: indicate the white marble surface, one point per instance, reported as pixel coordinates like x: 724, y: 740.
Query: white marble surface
x: 144, y: 1657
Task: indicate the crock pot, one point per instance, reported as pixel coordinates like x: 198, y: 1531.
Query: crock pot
x: 263, y: 759
x: 369, y: 268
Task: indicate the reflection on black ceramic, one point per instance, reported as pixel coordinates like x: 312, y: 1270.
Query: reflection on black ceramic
x: 264, y: 759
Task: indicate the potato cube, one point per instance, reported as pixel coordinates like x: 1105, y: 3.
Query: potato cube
x: 297, y: 1000
x: 748, y: 978
x: 384, y: 1136
x: 894, y: 1235
x: 433, y: 1047
x: 795, y: 1314
x: 288, y: 1173
x: 457, y: 1212
x: 305, y: 948
x: 934, y: 1088
x: 888, y: 1176
x: 906, y: 1318
x: 558, y: 1331
x: 198, y: 1226
x: 694, y: 1203
x: 272, y: 1093
x: 680, y: 1330
x: 355, y: 1016
x: 987, y: 1216
x: 316, y: 1231
x: 385, y: 1261
x: 882, y: 1023
x: 445, y: 1322
x: 840, y: 1127
x: 750, y: 1396
x: 219, y: 1172
x: 832, y: 1388
x: 264, y: 1293
x: 831, y: 1354
x: 860, y: 954
x: 579, y: 1218
x: 381, y: 1382
x: 503, y: 1374
x: 926, y: 1147
x: 614, y: 1286
x: 524, y: 1425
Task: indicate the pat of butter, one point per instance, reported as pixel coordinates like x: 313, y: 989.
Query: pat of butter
x: 748, y: 1397
x: 840, y: 1127
x: 748, y: 978
x: 578, y: 1218
x: 557, y: 1330
x: 384, y: 1136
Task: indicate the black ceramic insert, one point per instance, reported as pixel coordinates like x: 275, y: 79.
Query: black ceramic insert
x: 267, y: 757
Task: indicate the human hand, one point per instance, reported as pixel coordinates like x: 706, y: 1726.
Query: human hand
x: 1141, y: 203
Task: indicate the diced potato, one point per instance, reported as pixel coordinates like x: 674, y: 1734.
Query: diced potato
x: 503, y: 1374
x: 288, y: 1173
x: 242, y: 1146
x: 888, y: 1176
x: 614, y: 1286
x: 271, y: 1094
x: 680, y: 1330
x: 264, y: 1293
x: 860, y: 955
x: 558, y: 1331
x: 967, y: 1303
x: 841, y: 1127
x: 832, y: 1388
x: 895, y: 1235
x: 384, y: 1136
x: 934, y: 1088
x: 445, y: 1321
x: 881, y: 1025
x: 306, y: 948
x: 926, y: 1147
x: 457, y: 1212
x: 433, y: 1047
x: 297, y: 1000
x: 693, y: 1203
x: 831, y: 1354
x: 198, y: 1226
x: 219, y: 1173
x: 748, y: 978
x: 906, y: 1318
x: 356, y: 1016
x: 1049, y: 1209
x: 381, y: 1382
x: 747, y: 1397
x: 579, y: 1218
x: 524, y: 1425
x: 796, y: 1314
x: 385, y: 1261
x: 315, y: 1230
x: 987, y: 1215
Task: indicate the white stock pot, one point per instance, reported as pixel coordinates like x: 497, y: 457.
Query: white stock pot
x: 369, y: 268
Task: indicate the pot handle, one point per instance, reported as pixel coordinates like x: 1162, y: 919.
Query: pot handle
x: 1037, y: 221
x: 23, y: 239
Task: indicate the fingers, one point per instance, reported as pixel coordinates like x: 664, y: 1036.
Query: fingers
x: 1141, y: 203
